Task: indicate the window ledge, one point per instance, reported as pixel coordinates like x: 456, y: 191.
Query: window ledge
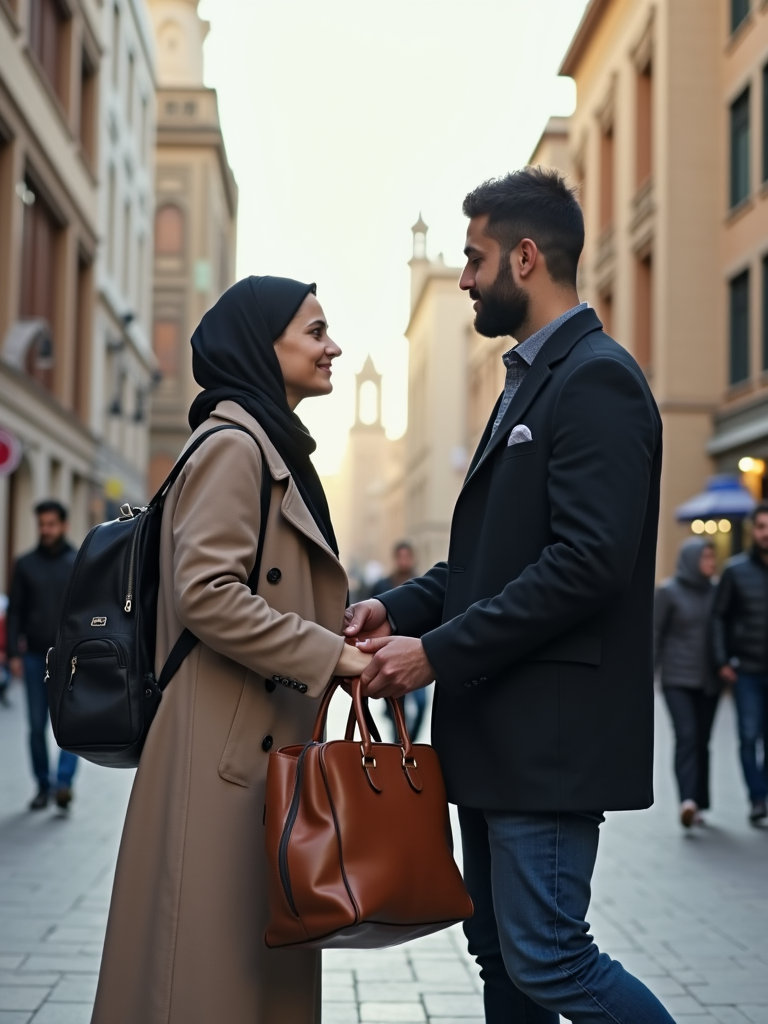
x: 743, y: 387
x: 736, y: 36
x: 11, y: 15
x: 739, y: 210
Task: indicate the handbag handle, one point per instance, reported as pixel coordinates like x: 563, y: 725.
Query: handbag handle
x: 357, y: 713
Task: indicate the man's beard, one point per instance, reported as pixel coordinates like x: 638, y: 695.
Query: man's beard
x: 504, y: 306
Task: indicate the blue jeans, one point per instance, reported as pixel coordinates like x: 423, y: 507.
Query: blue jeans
x: 751, y: 696
x: 37, y: 705
x: 529, y: 877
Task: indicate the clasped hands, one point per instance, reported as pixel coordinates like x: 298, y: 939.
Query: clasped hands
x: 389, y: 666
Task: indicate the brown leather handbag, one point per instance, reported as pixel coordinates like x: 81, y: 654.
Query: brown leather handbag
x: 358, y: 840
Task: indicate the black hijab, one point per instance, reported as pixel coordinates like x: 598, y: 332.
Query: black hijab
x: 233, y: 357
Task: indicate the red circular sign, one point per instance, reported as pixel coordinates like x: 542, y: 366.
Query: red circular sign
x: 10, y: 452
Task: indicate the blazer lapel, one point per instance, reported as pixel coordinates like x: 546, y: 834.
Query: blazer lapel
x: 534, y: 380
x: 554, y: 349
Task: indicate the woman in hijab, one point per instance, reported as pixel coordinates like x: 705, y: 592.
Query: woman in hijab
x: 681, y: 652
x: 185, y: 939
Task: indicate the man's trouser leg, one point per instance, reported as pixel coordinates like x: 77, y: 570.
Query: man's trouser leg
x: 504, y: 1002
x: 37, y: 707
x: 541, y: 870
x: 750, y: 694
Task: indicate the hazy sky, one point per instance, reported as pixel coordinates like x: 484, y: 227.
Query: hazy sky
x: 345, y: 118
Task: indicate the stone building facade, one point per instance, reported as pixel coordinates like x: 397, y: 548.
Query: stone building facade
x: 50, y: 57
x: 195, y: 220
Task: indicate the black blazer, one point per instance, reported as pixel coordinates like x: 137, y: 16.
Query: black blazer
x: 540, y: 624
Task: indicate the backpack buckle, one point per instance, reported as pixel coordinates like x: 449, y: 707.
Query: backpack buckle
x: 126, y: 512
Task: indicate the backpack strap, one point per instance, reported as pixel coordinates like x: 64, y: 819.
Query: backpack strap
x: 188, y: 641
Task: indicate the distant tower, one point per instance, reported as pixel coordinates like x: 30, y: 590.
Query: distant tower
x: 419, y: 261
x: 368, y: 398
x: 180, y: 34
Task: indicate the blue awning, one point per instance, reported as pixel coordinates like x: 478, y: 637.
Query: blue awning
x: 724, y: 497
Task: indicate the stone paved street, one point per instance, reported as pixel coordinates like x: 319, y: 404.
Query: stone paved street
x: 687, y: 912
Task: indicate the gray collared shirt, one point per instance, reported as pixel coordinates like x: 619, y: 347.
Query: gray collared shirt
x: 519, y: 359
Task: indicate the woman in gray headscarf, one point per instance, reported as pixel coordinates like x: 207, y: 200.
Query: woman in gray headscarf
x: 689, y: 682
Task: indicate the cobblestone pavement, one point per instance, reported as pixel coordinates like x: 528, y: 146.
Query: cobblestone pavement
x: 686, y: 912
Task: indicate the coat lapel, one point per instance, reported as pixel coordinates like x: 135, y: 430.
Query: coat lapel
x: 554, y: 349
x: 292, y: 506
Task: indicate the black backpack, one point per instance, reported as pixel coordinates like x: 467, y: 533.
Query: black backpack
x: 102, y: 690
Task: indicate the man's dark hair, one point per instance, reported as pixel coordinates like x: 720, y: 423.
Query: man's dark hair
x: 403, y: 545
x: 51, y: 505
x: 760, y: 510
x: 533, y: 203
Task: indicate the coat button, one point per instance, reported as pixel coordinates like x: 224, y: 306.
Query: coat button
x: 474, y: 682
x: 467, y: 686
x: 266, y: 743
x: 483, y: 679
x: 303, y: 687
x: 274, y: 576
x: 269, y: 686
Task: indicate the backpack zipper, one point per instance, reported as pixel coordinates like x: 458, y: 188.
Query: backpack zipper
x: 73, y: 663
x: 131, y: 557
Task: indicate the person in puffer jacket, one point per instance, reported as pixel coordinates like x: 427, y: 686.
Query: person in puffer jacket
x: 691, y: 688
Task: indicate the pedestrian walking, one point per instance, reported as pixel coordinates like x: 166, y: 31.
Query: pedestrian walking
x: 38, y: 585
x: 185, y: 937
x: 538, y: 627
x: 5, y: 672
x: 682, y: 656
x: 415, y: 702
x: 740, y: 642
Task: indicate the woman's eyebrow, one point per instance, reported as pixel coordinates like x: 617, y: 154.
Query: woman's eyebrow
x: 318, y: 323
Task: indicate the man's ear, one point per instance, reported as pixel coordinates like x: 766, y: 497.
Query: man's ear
x: 527, y: 254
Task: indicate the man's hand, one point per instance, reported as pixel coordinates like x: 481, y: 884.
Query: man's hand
x: 365, y: 620
x: 728, y: 674
x: 399, y: 665
x: 16, y: 667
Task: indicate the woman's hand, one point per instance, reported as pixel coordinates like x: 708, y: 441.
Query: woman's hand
x: 351, y: 663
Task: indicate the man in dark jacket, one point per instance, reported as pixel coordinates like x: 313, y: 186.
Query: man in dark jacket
x: 538, y: 628
x: 37, y: 591
x: 740, y: 641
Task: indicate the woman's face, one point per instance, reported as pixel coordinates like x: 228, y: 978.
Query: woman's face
x: 708, y: 562
x: 305, y: 353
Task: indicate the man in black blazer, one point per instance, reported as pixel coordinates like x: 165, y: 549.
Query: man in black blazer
x: 538, y: 627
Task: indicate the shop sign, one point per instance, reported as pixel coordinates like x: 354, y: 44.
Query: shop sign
x: 10, y: 452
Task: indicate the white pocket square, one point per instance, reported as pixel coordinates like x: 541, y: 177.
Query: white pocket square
x: 518, y: 434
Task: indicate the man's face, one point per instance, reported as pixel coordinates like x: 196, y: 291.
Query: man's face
x: 404, y: 560
x: 501, y: 305
x: 760, y: 532
x: 50, y: 528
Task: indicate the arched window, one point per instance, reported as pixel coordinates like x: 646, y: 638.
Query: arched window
x: 169, y: 231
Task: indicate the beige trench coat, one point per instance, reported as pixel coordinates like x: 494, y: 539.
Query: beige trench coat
x: 185, y: 939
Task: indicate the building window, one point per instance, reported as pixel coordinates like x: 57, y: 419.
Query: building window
x: 111, y: 218
x: 165, y: 342
x: 130, y: 88
x: 47, y: 24
x: 765, y: 313
x: 644, y: 137
x: 39, y: 263
x: 87, y: 119
x: 740, y: 149
x: 169, y: 231
x: 739, y: 328
x: 765, y: 123
x: 83, y: 338
x: 115, y: 46
x: 127, y: 251
x: 606, y: 179
x: 644, y: 311
x: 739, y: 11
